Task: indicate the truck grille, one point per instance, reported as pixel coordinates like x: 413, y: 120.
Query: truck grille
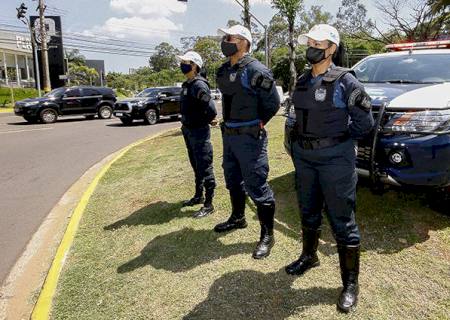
x: 122, y: 106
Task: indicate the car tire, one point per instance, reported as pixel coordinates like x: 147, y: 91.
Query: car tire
x: 126, y: 121
x: 151, y: 117
x: 105, y: 112
x: 48, y: 115
x: 31, y: 119
x: 90, y: 117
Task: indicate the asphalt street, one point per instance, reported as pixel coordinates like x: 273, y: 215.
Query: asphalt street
x: 39, y: 162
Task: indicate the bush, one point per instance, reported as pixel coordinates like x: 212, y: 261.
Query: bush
x: 19, y: 94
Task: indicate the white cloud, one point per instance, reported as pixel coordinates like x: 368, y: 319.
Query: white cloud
x: 137, y: 27
x: 146, y: 19
x: 144, y: 8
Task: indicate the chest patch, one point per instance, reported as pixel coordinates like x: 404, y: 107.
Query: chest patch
x: 233, y: 76
x: 185, y: 92
x: 320, y: 94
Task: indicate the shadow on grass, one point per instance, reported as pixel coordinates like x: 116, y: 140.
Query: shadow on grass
x: 248, y: 294
x: 389, y: 222
x: 156, y: 213
x: 184, y: 250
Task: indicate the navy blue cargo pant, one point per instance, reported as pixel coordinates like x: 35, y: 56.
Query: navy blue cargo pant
x: 328, y: 176
x: 200, y: 153
x: 246, y: 166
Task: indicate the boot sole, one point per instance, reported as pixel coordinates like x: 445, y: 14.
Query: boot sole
x: 346, y: 310
x: 203, y: 215
x: 299, y: 273
x: 231, y: 229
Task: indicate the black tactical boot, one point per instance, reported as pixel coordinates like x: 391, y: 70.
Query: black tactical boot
x: 208, y: 207
x: 266, y: 214
x: 237, y: 218
x: 349, y: 262
x: 308, y: 259
x: 196, y: 199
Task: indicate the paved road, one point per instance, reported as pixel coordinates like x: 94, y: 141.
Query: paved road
x: 38, y: 163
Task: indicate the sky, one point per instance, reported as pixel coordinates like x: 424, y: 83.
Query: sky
x: 148, y: 22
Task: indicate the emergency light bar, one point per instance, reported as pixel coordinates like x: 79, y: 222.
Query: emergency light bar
x: 419, y: 45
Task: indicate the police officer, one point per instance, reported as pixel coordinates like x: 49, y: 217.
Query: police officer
x: 197, y: 112
x: 250, y: 100
x: 332, y: 109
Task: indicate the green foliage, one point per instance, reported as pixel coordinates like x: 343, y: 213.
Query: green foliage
x: 164, y: 58
x: 81, y: 74
x: 19, y: 94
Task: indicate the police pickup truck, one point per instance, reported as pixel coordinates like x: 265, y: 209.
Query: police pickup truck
x: 410, y: 91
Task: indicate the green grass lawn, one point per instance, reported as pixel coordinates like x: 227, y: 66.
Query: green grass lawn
x: 139, y: 255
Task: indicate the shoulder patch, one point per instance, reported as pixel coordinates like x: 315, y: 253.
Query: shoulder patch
x: 335, y: 74
x: 263, y: 81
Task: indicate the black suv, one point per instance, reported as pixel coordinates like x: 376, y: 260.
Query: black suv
x: 151, y: 104
x: 87, y: 101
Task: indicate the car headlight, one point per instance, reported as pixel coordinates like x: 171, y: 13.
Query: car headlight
x: 32, y: 103
x: 140, y: 104
x: 420, y: 121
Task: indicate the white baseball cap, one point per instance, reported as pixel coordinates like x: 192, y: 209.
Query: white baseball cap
x: 236, y: 30
x: 321, y: 32
x: 192, y: 56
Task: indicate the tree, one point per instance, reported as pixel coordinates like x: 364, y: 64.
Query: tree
x: 209, y: 50
x: 246, y: 15
x: 315, y: 15
x: 414, y: 20
x: 81, y: 74
x: 289, y: 10
x: 74, y: 56
x: 164, y: 58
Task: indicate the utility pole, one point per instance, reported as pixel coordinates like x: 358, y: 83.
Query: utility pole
x: 247, y: 15
x: 21, y: 15
x: 44, y: 48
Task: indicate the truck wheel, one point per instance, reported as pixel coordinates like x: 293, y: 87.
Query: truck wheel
x: 105, y: 112
x: 151, y: 117
x: 126, y: 121
x: 48, y: 115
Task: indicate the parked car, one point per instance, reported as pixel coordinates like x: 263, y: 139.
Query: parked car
x: 216, y: 94
x: 87, y: 101
x: 150, y: 105
x: 410, y: 91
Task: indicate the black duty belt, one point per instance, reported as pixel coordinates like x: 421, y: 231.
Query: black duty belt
x: 252, y: 130
x: 320, y: 143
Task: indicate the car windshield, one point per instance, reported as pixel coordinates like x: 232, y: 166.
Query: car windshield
x: 412, y: 68
x: 148, y: 93
x: 57, y: 93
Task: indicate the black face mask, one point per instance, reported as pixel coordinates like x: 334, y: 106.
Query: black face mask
x: 185, y: 68
x: 315, y: 55
x: 228, y: 48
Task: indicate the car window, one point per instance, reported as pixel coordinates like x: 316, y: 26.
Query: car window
x: 148, y: 93
x: 89, y: 92
x: 56, y: 93
x: 414, y: 68
x: 73, y: 93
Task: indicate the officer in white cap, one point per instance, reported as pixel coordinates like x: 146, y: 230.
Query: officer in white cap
x: 331, y: 109
x: 250, y: 100
x: 197, y: 112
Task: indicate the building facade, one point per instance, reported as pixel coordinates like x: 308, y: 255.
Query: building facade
x: 16, y: 60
